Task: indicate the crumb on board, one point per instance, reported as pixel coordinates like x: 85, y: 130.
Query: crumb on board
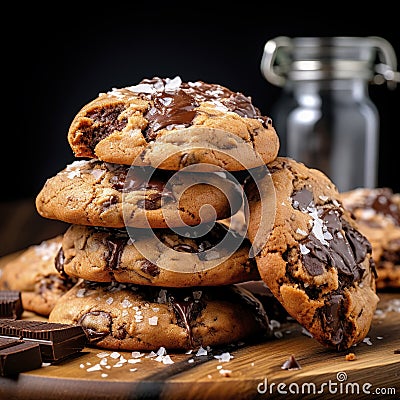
x: 350, y: 357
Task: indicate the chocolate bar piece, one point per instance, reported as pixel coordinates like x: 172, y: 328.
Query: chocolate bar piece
x: 56, y: 341
x: 10, y: 304
x: 18, y: 356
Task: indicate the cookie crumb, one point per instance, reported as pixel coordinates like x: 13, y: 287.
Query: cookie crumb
x: 291, y: 364
x: 350, y: 357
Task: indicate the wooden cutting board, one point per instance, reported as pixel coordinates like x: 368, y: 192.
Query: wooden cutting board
x: 254, y: 372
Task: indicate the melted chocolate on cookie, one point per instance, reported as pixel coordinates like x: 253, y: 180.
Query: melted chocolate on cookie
x: 174, y: 102
x: 332, y: 241
x: 126, y: 180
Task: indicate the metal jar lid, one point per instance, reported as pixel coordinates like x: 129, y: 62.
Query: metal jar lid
x: 313, y: 58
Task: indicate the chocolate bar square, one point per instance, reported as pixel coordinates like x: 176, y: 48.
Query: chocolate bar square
x: 56, y: 341
x: 18, y: 356
x: 10, y: 304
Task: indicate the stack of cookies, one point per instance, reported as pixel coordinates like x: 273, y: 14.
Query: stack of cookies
x: 150, y: 201
x: 163, y: 170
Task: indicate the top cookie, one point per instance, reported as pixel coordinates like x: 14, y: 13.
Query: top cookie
x: 170, y: 124
x: 315, y: 261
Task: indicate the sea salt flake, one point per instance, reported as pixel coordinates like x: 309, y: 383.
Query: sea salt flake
x: 304, y: 249
x: 126, y: 303
x: 161, y: 351
x: 224, y: 357
x: 103, y: 375
x: 201, y: 352
x: 82, y: 366
x: 173, y: 84
x: 96, y: 367
x: 140, y: 88
x: 115, y: 355
x: 134, y: 360
x: 103, y: 361
x: 118, y: 365
x: 133, y: 369
x: 109, y: 301
x: 151, y: 355
x: 323, y: 198
x: 167, y: 360
x: 367, y: 340
x: 153, y: 321
x: 81, y: 293
x: 301, y: 232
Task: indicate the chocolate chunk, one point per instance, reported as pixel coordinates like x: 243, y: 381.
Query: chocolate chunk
x: 116, y: 244
x: 105, y: 121
x: 10, y: 304
x: 302, y: 199
x: 291, y: 364
x: 18, y: 356
x: 96, y: 324
x: 56, y: 341
x: 337, y: 244
x: 332, y: 317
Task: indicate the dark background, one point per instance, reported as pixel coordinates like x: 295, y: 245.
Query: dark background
x: 54, y: 64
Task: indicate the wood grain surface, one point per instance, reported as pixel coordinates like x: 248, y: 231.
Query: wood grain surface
x: 254, y: 372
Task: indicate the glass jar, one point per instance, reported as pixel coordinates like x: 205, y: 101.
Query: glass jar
x: 324, y: 116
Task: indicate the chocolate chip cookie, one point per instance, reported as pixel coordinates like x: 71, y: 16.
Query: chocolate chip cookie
x: 129, y: 317
x: 33, y: 273
x: 91, y: 192
x: 170, y: 124
x: 377, y: 212
x: 158, y: 258
x: 315, y: 261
